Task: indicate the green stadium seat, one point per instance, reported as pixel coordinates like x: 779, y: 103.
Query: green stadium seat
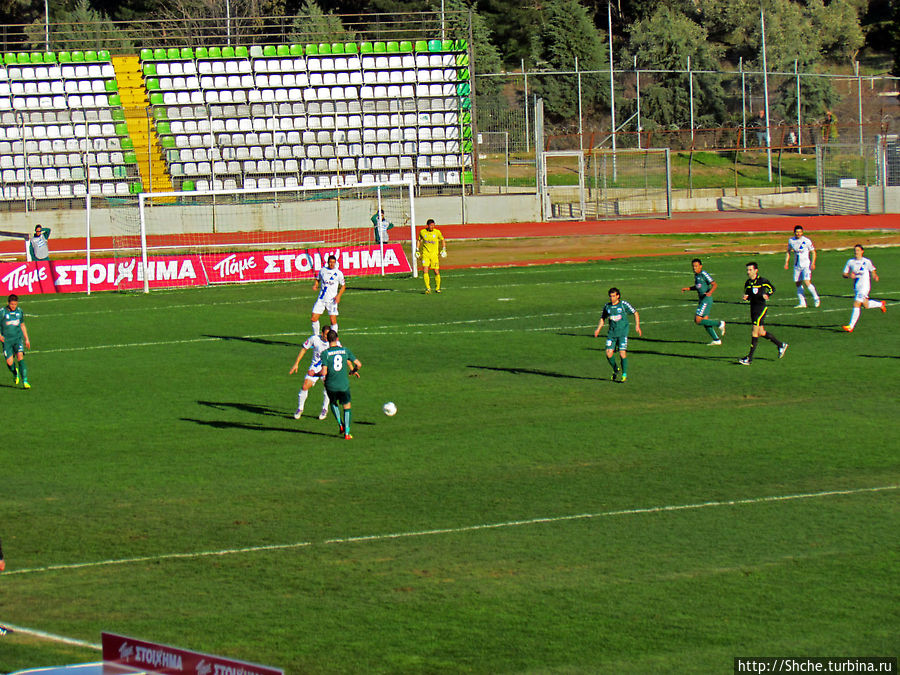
x: 283, y: 50
x: 337, y: 47
x: 421, y: 45
x: 112, y: 86
x: 468, y: 177
x: 463, y: 74
x: 159, y: 113
x: 462, y: 60
x: 36, y: 57
x: 146, y: 54
x: 64, y: 57
x: 159, y: 54
x: 163, y: 128
x: 379, y: 48
x: 241, y: 52
x: 434, y: 45
x: 23, y: 58
x: 103, y: 55
x: 136, y: 187
x: 156, y: 98
x: 149, y: 70
x: 114, y: 100
x: 118, y: 115
x: 393, y: 47
x: 296, y: 50
x: 90, y: 56
x: 187, y: 186
x: 121, y: 129
x: 461, y: 45
x: 256, y: 52
x: 467, y: 146
x: 351, y: 48
x: 465, y: 103
x: 49, y: 57
x: 152, y: 83
x: 120, y: 172
x: 167, y: 142
x: 406, y: 46
x: 227, y: 52
x: 187, y: 53
x: 467, y: 132
x: 365, y: 48
x: 201, y: 53
x: 126, y: 144
x: 466, y: 117
x: 463, y: 89
x: 173, y: 155
x: 215, y: 52
x: 446, y: 45
x: 130, y: 158
x: 312, y: 50
x: 9, y: 58
x: 270, y: 51
x: 77, y: 56
x: 173, y: 53
x: 325, y: 48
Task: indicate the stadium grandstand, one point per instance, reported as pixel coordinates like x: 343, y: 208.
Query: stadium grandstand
x: 189, y: 119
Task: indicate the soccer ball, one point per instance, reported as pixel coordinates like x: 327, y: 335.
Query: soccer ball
x: 389, y: 409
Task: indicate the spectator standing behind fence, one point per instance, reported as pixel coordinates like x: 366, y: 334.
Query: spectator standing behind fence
x: 381, y: 225
x: 829, y: 127
x: 759, y: 125
x: 37, y: 245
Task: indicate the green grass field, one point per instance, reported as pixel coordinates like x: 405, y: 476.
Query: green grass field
x: 521, y: 513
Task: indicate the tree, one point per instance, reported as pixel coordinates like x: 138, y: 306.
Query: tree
x: 665, y: 41
x: 511, y: 23
x: 82, y: 27
x: 565, y: 31
x: 312, y: 24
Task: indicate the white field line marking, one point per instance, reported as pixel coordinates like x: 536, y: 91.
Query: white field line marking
x: 50, y: 636
x: 463, y: 529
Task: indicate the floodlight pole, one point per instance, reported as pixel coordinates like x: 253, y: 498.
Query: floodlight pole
x: 612, y: 90
x: 47, y: 25
x: 762, y: 22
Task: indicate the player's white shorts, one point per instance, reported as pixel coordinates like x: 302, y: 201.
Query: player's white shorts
x: 802, y: 274
x: 861, y: 291
x: 322, y: 307
x: 315, y: 372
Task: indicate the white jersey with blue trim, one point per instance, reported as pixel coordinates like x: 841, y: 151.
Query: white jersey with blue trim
x: 862, y: 269
x: 801, y: 247
x: 330, y: 281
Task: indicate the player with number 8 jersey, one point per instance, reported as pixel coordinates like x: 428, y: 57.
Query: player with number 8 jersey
x: 338, y: 363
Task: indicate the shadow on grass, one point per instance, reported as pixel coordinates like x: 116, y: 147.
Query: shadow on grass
x: 247, y: 407
x: 533, y: 371
x: 879, y: 356
x: 702, y: 357
x: 255, y: 340
x: 222, y: 424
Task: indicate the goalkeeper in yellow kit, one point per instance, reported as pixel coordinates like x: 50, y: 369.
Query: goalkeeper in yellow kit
x: 430, y: 248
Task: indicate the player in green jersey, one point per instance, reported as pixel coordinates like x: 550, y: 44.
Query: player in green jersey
x: 617, y: 311
x: 338, y: 364
x: 705, y: 286
x: 14, y: 337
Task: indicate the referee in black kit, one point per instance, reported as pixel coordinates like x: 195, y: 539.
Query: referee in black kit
x: 757, y: 290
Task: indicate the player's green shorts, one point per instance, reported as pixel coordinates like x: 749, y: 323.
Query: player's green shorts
x: 704, y: 307
x: 13, y: 346
x: 617, y: 342
x: 339, y: 397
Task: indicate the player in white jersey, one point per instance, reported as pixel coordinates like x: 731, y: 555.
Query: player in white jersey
x: 862, y: 271
x: 318, y: 344
x: 804, y: 263
x: 330, y: 285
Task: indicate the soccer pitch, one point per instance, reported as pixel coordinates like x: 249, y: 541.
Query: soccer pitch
x: 520, y: 513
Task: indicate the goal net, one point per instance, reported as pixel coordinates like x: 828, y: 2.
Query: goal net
x: 175, y: 239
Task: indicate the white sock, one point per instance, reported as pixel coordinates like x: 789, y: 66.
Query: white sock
x: 812, y: 289
x: 854, y: 317
x: 800, y: 297
x: 315, y: 327
x: 334, y: 327
x: 325, y: 399
x: 301, y: 399
x: 873, y: 304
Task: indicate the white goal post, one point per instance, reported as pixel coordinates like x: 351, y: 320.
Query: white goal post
x: 296, y: 218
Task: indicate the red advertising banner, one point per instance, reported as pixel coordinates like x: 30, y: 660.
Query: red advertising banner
x: 150, y: 656
x: 175, y: 271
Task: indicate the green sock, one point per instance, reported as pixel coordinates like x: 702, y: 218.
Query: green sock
x: 612, y: 362
x: 347, y: 421
x: 23, y: 370
x: 624, y: 366
x: 12, y: 367
x: 336, y: 411
x: 709, y: 322
x: 712, y: 332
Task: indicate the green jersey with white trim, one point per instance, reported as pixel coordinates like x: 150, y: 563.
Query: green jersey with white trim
x: 337, y: 360
x: 618, y: 318
x: 11, y: 323
x: 703, y: 281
